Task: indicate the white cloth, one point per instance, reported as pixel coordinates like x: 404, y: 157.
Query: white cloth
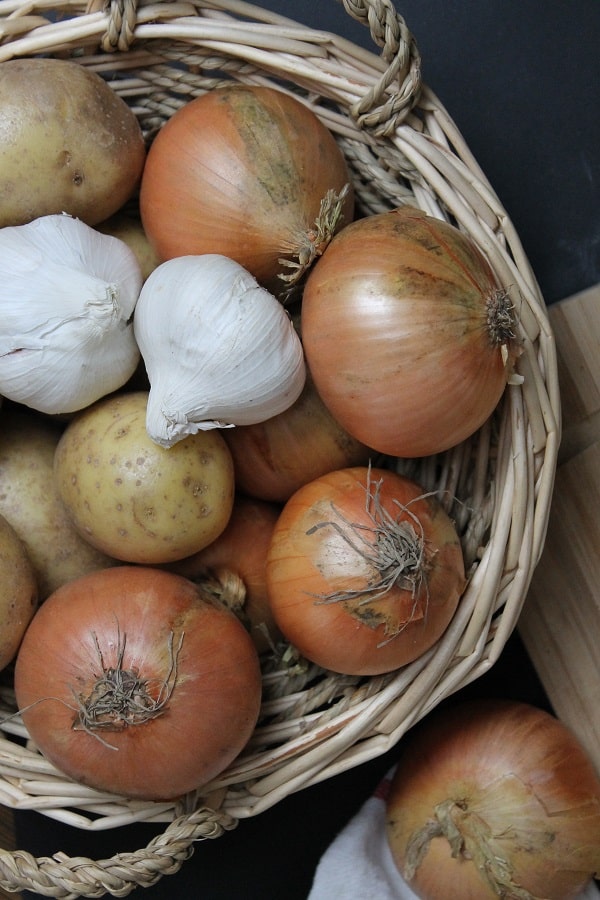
x: 358, y: 864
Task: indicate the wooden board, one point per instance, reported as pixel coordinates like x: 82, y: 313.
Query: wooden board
x: 560, y: 621
x: 576, y: 324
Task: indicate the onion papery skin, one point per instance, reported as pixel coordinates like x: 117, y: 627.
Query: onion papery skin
x: 272, y: 459
x: 318, y: 549
x: 211, y: 711
x: 512, y: 773
x: 395, y: 327
x: 241, y: 549
x: 241, y: 171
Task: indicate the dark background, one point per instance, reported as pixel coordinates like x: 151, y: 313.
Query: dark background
x: 520, y: 78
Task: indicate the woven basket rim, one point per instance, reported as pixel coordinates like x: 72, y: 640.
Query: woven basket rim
x: 403, y: 146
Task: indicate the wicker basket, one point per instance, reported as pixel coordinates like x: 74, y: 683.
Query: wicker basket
x: 401, y: 145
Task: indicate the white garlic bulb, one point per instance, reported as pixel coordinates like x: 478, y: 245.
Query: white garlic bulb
x: 219, y: 349
x: 67, y: 294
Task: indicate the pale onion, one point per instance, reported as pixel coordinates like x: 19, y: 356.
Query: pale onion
x: 494, y: 798
x: 67, y: 295
x: 219, y: 349
x: 409, y: 337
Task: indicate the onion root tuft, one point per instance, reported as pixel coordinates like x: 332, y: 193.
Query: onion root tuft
x: 395, y: 549
x: 121, y: 698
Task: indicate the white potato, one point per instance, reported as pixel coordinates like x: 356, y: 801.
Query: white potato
x: 134, y: 499
x: 31, y: 504
x: 18, y: 592
x: 68, y: 143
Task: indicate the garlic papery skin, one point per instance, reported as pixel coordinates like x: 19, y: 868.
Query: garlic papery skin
x: 219, y: 349
x: 67, y: 295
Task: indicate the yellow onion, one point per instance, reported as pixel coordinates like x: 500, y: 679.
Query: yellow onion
x: 247, y: 172
x: 364, y: 571
x: 408, y: 336
x: 275, y: 457
x: 494, y: 798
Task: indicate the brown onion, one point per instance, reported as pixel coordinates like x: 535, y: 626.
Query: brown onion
x: 242, y: 171
x: 494, y: 798
x: 364, y: 571
x: 132, y: 680
x: 240, y: 551
x: 272, y: 459
x: 409, y: 339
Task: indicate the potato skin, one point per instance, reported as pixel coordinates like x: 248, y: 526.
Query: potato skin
x: 129, y: 229
x: 133, y: 499
x: 18, y: 592
x: 68, y: 143
x: 30, y: 501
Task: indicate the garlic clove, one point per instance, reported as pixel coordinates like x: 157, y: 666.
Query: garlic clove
x: 67, y: 295
x: 219, y: 349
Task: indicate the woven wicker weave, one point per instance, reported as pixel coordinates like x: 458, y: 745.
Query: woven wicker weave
x: 401, y: 145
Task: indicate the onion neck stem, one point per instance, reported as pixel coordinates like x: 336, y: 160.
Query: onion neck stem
x: 314, y: 242
x: 469, y: 837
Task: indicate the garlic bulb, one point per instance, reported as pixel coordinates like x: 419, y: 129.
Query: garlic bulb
x: 219, y: 349
x: 67, y: 294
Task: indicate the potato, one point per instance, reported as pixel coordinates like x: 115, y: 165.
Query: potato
x: 68, y: 143
x: 129, y: 229
x: 18, y: 592
x: 30, y: 503
x: 133, y: 499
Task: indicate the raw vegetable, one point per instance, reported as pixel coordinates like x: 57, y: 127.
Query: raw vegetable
x: 272, y: 459
x: 68, y: 143
x: 494, y: 798
x: 30, y: 501
x: 242, y: 171
x: 218, y: 348
x: 132, y: 681
x: 18, y: 592
x: 364, y: 572
x: 67, y: 294
x: 127, y: 226
x: 137, y: 501
x: 240, y: 551
x: 408, y: 336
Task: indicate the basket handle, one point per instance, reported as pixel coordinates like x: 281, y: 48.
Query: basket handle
x: 381, y: 110
x: 59, y: 876
x: 122, y: 15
